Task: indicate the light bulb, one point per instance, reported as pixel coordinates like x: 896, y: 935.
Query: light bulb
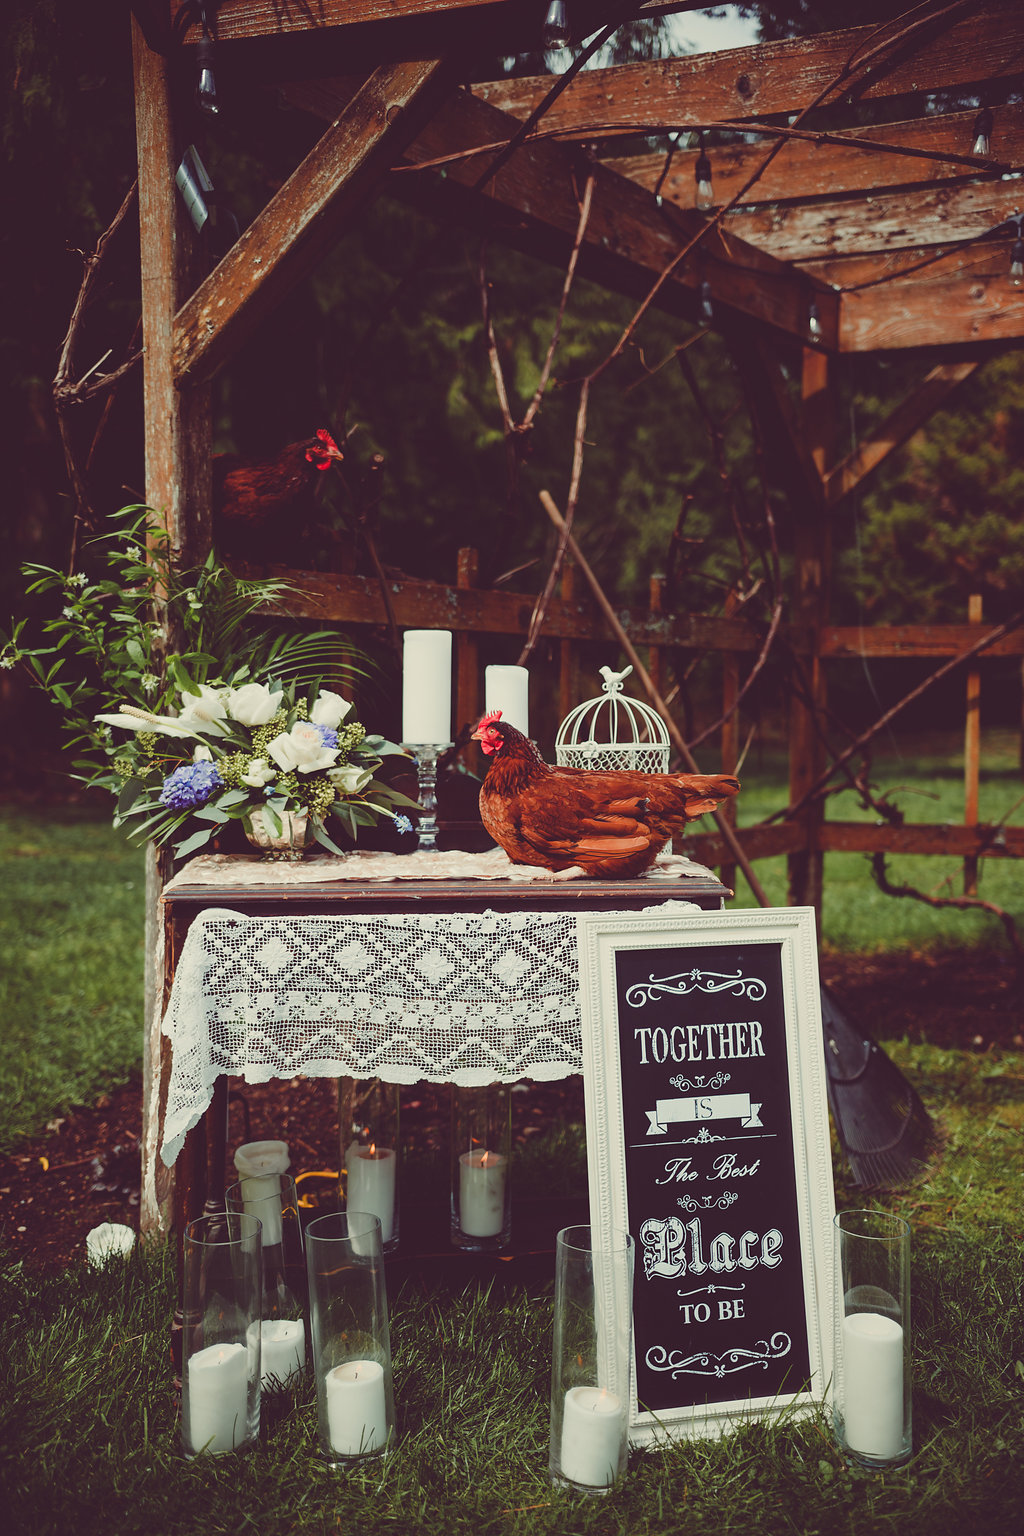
x: 555, y: 32
x: 982, y: 133
x: 702, y: 176
x: 707, y: 311
x: 206, y: 90
x: 1017, y: 260
x: 813, y: 322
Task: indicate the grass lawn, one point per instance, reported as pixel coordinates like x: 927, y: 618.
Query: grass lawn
x: 88, y: 1432
x: 89, y: 1440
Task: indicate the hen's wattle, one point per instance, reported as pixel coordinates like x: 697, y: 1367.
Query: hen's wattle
x: 609, y: 823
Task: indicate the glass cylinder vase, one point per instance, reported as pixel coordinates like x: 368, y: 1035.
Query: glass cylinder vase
x: 871, y: 1399
x: 222, y: 1305
x: 350, y: 1339
x: 590, y: 1358
x: 368, y: 1120
x: 272, y: 1199
x: 481, y: 1153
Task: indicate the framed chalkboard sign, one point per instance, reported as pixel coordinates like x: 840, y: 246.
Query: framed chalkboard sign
x: 708, y: 1140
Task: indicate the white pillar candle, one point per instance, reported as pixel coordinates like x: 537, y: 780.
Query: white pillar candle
x: 873, y: 1384
x: 371, y: 1177
x: 282, y: 1348
x: 508, y: 689
x: 356, y: 1408
x: 591, y: 1436
x: 427, y: 686
x: 259, y: 1163
x: 482, y: 1178
x: 217, y: 1386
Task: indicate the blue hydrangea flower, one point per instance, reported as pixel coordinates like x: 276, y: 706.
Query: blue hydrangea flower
x: 403, y: 824
x: 327, y: 736
x: 189, y: 787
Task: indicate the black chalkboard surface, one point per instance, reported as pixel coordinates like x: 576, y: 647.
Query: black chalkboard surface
x: 708, y: 1141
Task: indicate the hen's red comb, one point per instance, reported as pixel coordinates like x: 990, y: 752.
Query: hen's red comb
x: 326, y: 438
x: 489, y: 719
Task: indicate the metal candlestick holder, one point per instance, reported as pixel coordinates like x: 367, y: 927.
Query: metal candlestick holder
x: 427, y: 754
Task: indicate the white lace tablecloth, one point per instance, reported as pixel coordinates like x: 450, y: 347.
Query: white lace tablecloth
x: 465, y: 998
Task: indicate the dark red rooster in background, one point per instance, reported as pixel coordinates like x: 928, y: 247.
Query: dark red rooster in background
x: 612, y: 823
x: 260, y: 510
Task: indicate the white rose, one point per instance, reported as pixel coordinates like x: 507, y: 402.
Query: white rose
x: 260, y: 773
x: 330, y: 709
x: 252, y: 704
x: 302, y: 748
x: 205, y: 709
x: 349, y: 780
x: 202, y: 755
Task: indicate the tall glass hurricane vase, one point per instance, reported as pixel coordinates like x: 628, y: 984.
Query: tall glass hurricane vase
x: 590, y: 1358
x: 350, y: 1337
x: 871, y: 1400
x: 272, y: 1199
x: 223, y: 1298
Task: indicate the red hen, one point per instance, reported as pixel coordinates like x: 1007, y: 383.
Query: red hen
x: 571, y: 820
x: 255, y: 506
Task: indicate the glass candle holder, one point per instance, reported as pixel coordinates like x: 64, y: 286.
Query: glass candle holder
x: 590, y: 1358
x: 871, y: 1398
x: 350, y: 1339
x: 368, y: 1120
x: 222, y: 1304
x: 481, y: 1152
x: 272, y: 1199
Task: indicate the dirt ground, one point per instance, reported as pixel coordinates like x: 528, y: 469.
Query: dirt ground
x: 85, y: 1168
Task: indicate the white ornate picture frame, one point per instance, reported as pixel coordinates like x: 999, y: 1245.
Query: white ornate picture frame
x: 708, y: 1140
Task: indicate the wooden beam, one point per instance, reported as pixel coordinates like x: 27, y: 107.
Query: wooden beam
x: 769, y: 78
x: 780, y: 422
x: 850, y: 475
x: 306, y: 216
x: 981, y: 305
x: 238, y: 20
x: 178, y: 488
x: 765, y: 842
x: 325, y: 598
x: 912, y: 218
x: 533, y: 204
x: 831, y: 164
x: 924, y: 640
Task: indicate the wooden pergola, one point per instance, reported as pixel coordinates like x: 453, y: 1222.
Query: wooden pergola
x: 822, y: 241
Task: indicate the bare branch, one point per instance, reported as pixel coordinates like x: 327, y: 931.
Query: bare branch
x: 963, y: 903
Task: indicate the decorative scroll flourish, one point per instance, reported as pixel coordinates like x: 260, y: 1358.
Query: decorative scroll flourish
x: 695, y: 981
x: 704, y: 1363
x: 708, y: 1202
x: 711, y: 1290
x: 701, y: 1084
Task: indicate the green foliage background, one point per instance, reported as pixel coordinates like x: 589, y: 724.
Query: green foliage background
x: 944, y: 519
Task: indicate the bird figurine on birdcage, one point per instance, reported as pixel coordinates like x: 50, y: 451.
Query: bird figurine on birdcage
x: 613, y: 731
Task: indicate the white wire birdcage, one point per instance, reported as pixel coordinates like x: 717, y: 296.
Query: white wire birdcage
x: 613, y: 732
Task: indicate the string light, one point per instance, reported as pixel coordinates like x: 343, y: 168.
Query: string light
x: 982, y: 133
x: 702, y: 176
x: 555, y: 32
x: 1017, y: 251
x: 707, y: 309
x: 813, y: 321
x: 206, y: 88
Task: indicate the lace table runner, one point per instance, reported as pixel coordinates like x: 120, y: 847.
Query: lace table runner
x: 466, y: 998
x: 213, y: 869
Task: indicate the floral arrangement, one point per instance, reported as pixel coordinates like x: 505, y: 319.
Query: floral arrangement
x: 257, y: 747
x: 189, y: 704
